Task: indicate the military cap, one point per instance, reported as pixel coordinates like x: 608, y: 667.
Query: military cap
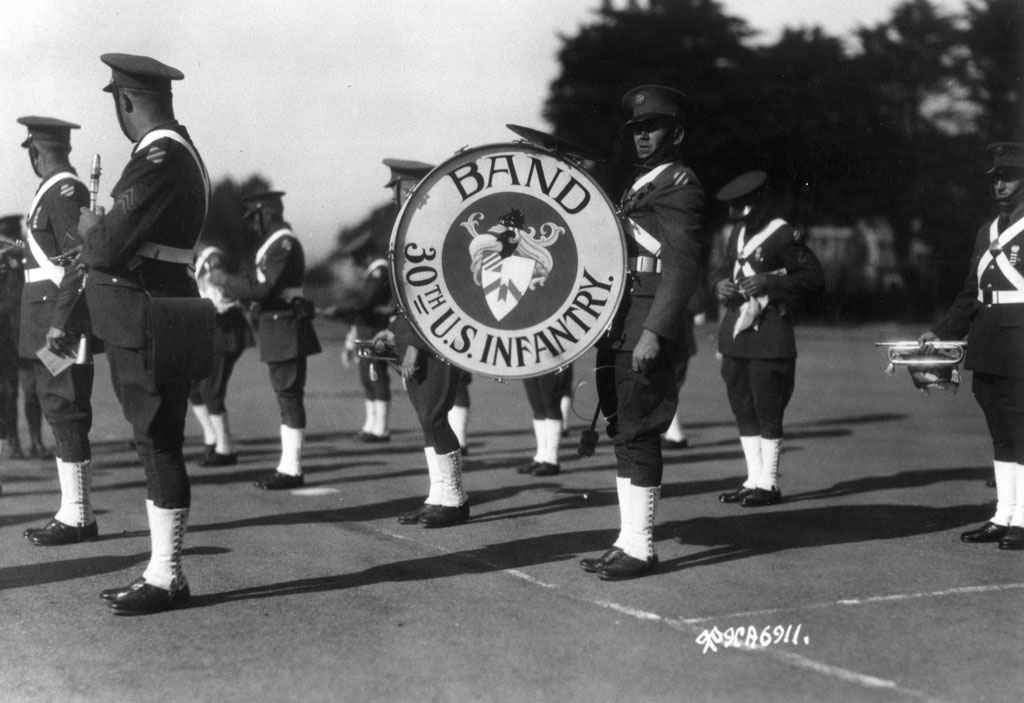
x: 139, y: 73
x: 743, y: 185
x: 12, y: 218
x: 47, y: 129
x: 11, y: 223
x: 406, y: 170
x: 648, y: 102
x: 1006, y: 155
x: 254, y: 202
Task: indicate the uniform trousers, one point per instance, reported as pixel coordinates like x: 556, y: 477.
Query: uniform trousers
x: 462, y: 389
x: 759, y: 391
x: 8, y: 395
x: 432, y: 393
x: 545, y: 396
x: 67, y: 406
x: 212, y: 390
x: 639, y: 409
x: 288, y: 378
x: 156, y: 412
x: 1002, y: 401
x: 376, y: 379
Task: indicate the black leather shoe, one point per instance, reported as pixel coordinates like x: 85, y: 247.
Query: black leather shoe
x: 594, y: 564
x: 759, y: 498
x: 528, y: 468
x: 141, y: 598
x: 370, y: 438
x: 736, y: 496
x: 989, y: 532
x: 675, y: 443
x: 217, y: 459
x: 280, y: 482
x: 411, y: 518
x: 621, y: 566
x: 1014, y: 539
x: 443, y: 515
x: 56, y: 533
x: 546, y: 469
x: 990, y: 483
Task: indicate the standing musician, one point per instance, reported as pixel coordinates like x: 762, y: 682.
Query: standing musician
x: 767, y: 272
x: 284, y: 323
x: 231, y: 337
x: 638, y: 360
x: 54, y: 316
x: 141, y: 251
x: 432, y: 385
x: 990, y: 310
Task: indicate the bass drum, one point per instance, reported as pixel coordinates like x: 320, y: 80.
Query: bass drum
x: 509, y: 261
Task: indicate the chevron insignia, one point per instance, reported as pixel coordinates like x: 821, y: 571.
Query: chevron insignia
x: 67, y: 190
x: 156, y: 155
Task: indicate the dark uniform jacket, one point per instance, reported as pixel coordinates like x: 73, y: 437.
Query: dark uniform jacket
x: 377, y: 304
x: 53, y: 227
x: 145, y: 245
x: 797, y: 276
x: 996, y: 329
x: 668, y: 208
x: 11, y: 282
x: 284, y: 319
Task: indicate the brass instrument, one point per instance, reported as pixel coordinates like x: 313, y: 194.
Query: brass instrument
x: 94, y: 183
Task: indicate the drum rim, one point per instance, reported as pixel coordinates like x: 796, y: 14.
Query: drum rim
x: 403, y: 214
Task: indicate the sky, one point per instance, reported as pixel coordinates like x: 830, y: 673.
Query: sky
x: 313, y: 94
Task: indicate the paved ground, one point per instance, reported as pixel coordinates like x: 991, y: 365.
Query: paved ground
x: 319, y: 595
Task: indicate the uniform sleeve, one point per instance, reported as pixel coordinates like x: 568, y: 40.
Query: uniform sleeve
x: 64, y: 213
x: 804, y: 275
x: 376, y: 290
x: 152, y: 183
x: 677, y: 212
x: 957, y: 321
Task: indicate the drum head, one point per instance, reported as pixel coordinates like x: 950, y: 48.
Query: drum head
x: 508, y: 261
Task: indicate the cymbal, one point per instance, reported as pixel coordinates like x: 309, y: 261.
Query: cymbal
x: 553, y: 143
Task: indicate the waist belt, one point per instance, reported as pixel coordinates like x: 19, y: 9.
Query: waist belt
x: 290, y: 294
x: 644, y: 264
x: 162, y: 252
x: 35, y: 275
x: 1000, y: 297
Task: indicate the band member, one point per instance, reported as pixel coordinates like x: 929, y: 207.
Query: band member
x: 284, y: 323
x: 54, y: 316
x: 376, y: 305
x: 545, y: 394
x: 768, y: 271
x: 432, y: 385
x: 11, y: 281
x: 990, y: 309
x: 231, y: 337
x: 142, y: 250
x: 638, y: 359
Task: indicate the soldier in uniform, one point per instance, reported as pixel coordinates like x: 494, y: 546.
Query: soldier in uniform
x: 284, y: 324
x: 767, y: 272
x: 991, y: 309
x: 11, y: 281
x: 432, y: 385
x: 54, y: 316
x: 141, y: 250
x: 231, y: 337
x: 638, y: 360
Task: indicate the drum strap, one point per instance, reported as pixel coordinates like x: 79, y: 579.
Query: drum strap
x: 50, y: 270
x: 744, y: 250
x: 639, y: 234
x: 174, y: 136
x: 997, y: 242
x: 265, y: 247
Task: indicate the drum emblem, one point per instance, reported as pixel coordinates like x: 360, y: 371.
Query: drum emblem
x: 509, y: 260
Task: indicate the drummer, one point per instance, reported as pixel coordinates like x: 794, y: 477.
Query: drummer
x: 638, y: 360
x: 432, y: 386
